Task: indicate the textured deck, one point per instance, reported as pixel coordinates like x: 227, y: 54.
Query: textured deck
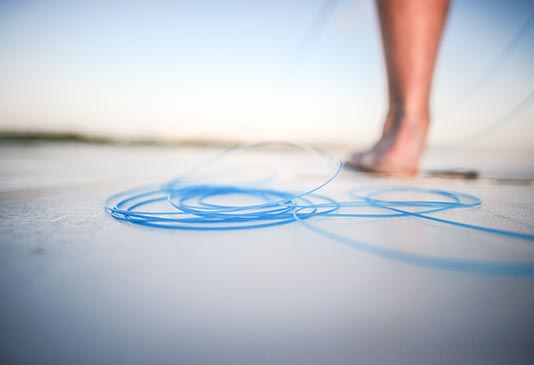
x: 80, y: 287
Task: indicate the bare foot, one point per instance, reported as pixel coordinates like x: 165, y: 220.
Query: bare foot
x: 400, y: 148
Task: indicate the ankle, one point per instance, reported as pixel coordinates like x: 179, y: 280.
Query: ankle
x: 409, y: 111
x: 409, y: 116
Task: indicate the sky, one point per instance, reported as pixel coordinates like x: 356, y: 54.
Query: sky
x: 238, y: 70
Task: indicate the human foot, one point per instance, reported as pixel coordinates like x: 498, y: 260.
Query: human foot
x: 398, y: 151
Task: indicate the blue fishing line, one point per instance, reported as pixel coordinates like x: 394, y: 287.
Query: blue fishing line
x: 434, y: 262
x: 480, y: 82
x: 182, y: 204
x: 497, y: 124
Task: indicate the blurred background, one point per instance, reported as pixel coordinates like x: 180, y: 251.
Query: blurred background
x: 236, y: 70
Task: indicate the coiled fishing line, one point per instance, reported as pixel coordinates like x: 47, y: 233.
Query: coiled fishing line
x: 204, y: 205
x: 188, y: 198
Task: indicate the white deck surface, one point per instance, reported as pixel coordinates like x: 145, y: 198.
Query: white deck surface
x: 78, y: 287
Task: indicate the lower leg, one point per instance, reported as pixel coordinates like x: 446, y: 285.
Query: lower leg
x: 411, y: 32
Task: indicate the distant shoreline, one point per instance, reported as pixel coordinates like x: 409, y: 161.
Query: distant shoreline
x: 74, y: 137
x: 82, y: 138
